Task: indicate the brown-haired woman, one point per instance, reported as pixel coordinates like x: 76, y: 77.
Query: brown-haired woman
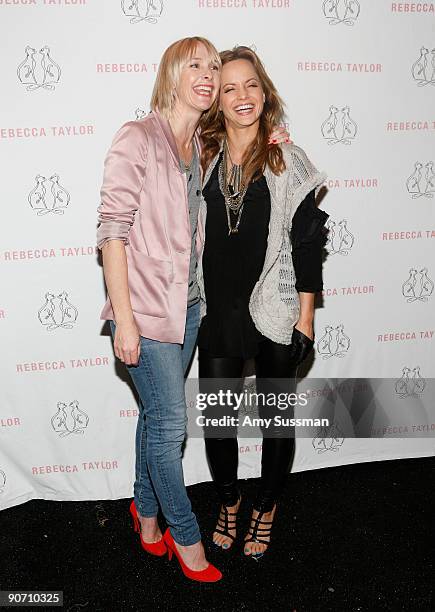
x: 260, y: 269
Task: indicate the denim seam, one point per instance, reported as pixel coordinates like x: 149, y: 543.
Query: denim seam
x: 142, y: 479
x: 155, y: 395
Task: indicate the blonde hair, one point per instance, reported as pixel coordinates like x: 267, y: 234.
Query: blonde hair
x: 171, y: 64
x: 260, y: 153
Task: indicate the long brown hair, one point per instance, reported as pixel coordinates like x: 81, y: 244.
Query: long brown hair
x: 259, y: 153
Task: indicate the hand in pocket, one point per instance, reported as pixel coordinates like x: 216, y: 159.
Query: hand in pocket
x: 300, y: 347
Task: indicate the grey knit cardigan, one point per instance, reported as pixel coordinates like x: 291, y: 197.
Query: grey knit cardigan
x: 274, y: 302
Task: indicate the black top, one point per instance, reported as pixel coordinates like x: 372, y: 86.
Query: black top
x: 232, y: 264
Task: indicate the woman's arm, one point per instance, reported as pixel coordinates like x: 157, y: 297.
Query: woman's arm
x: 306, y: 314
x: 127, y: 338
x: 124, y: 171
x: 307, y: 240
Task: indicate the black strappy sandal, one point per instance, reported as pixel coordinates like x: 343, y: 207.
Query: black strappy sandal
x: 253, y: 535
x: 223, y: 528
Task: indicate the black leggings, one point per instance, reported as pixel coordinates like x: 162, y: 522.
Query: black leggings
x: 273, y: 361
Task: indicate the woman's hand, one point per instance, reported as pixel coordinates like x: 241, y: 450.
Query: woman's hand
x: 306, y: 328
x: 302, y: 342
x: 279, y: 135
x: 127, y: 342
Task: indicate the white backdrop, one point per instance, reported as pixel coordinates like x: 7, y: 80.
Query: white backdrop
x: 358, y: 79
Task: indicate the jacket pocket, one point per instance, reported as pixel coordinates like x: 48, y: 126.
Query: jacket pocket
x: 148, y: 281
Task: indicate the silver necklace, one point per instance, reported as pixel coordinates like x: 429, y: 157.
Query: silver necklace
x: 187, y: 167
x: 232, y: 189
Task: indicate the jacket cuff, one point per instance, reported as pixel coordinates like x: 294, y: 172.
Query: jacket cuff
x: 112, y: 230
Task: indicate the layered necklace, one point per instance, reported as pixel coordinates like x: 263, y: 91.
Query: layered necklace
x: 233, y: 189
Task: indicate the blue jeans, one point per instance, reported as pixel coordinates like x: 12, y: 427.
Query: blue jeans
x: 161, y: 430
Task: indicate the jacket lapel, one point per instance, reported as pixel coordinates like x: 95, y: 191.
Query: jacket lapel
x: 170, y: 140
x: 212, y: 165
x: 164, y: 126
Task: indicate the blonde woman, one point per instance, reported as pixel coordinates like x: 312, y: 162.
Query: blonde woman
x: 147, y: 233
x: 257, y: 287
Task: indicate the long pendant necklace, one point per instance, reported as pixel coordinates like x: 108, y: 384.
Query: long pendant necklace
x: 232, y: 188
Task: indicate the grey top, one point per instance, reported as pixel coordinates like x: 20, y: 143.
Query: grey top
x: 193, y: 178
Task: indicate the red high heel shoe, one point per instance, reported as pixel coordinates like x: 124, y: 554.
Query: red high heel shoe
x: 155, y: 548
x: 209, y: 574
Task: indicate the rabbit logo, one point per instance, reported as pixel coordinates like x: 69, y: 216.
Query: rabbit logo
x: 329, y: 438
x: 142, y: 10
x: 48, y: 196
x: 421, y: 186
x: 340, y: 240
x: 57, y: 311
x: 418, y: 286
x: 38, y: 70
x: 341, y: 11
x: 423, y: 69
x: 333, y: 343
x: 410, y: 384
x: 69, y: 419
x: 339, y: 127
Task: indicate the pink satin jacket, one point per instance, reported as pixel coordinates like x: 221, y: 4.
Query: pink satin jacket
x: 144, y: 204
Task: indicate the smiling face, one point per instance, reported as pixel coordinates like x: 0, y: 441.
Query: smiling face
x: 241, y: 94
x: 199, y: 81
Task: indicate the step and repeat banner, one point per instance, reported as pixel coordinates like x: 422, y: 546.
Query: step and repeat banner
x: 358, y: 79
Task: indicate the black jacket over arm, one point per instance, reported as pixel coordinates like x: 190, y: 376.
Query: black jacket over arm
x: 307, y: 237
